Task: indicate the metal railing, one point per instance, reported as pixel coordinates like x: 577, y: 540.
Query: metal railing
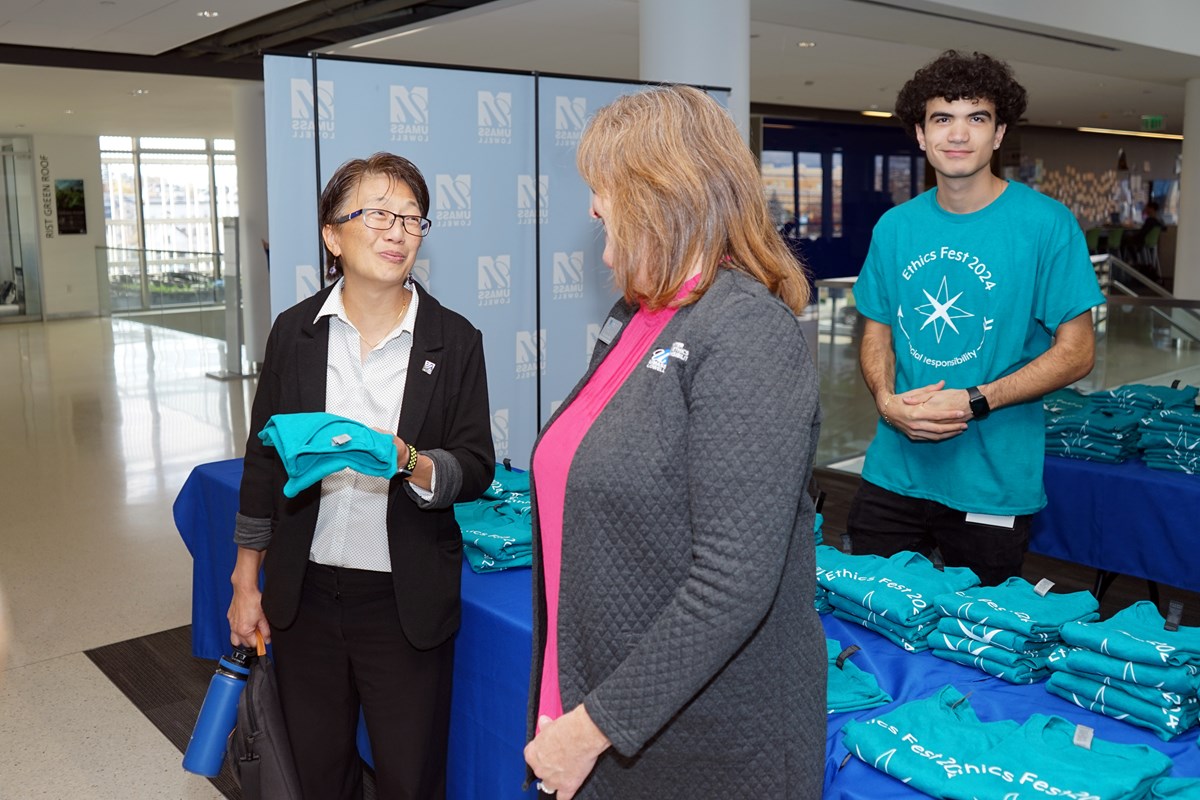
x: 1121, y: 281
x: 148, y: 280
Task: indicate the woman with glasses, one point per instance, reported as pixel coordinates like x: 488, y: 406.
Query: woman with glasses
x: 361, y: 590
x: 677, y: 652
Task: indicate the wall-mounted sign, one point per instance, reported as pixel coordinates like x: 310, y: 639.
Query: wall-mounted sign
x: 1152, y: 122
x: 68, y: 202
x: 47, y: 197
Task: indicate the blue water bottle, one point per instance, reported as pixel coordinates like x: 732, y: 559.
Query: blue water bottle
x: 206, y: 750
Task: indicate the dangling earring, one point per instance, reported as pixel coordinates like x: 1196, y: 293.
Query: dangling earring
x: 333, y: 267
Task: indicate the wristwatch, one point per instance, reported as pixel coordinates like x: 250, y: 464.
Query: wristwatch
x: 979, y: 404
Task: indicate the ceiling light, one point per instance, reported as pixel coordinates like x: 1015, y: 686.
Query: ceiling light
x: 1144, y: 135
x: 883, y: 114
x: 140, y: 92
x: 806, y: 44
x: 68, y: 111
x: 208, y: 14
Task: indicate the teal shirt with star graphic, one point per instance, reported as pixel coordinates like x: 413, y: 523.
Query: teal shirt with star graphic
x: 971, y: 298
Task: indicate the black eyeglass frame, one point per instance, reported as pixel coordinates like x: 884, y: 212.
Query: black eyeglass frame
x: 423, y: 223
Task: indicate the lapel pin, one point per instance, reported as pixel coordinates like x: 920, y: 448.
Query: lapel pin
x: 428, y: 368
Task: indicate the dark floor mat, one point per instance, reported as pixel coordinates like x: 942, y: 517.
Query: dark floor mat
x: 163, y: 680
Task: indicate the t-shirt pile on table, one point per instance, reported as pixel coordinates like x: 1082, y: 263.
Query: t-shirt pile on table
x: 497, y: 529
x: 849, y: 688
x: 1008, y: 630
x: 1112, y: 426
x: 1085, y: 427
x: 892, y: 596
x: 939, y: 746
x: 1131, y: 667
x: 1171, y: 439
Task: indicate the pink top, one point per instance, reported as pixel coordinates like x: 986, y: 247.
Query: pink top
x: 552, y: 462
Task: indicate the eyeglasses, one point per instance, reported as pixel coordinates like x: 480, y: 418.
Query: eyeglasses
x: 381, y: 219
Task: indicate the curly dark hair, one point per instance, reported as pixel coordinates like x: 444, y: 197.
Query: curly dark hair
x: 957, y: 76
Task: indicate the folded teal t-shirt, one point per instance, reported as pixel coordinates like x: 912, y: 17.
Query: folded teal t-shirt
x: 315, y: 444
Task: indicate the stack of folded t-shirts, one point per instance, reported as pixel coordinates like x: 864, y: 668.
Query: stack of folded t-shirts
x: 1131, y: 667
x: 1143, y: 398
x: 1092, y: 433
x: 849, y: 688
x: 1170, y: 439
x: 497, y: 529
x: 1008, y: 630
x: 937, y: 745
x: 890, y: 596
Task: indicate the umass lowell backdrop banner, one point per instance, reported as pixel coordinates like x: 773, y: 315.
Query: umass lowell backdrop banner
x: 501, y: 172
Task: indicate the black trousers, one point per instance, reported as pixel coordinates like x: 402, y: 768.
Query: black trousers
x: 346, y: 649
x: 884, y: 523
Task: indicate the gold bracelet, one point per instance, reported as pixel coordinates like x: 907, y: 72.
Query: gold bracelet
x: 885, y: 405
x: 412, y: 459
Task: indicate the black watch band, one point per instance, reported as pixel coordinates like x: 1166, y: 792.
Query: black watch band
x: 979, y: 404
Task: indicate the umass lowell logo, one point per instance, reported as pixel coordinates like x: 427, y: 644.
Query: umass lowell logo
x: 312, y: 114
x: 495, y: 280
x: 531, y: 352
x: 500, y: 432
x: 408, y: 112
x: 568, y: 275
x: 494, y: 117
x: 532, y: 199
x: 570, y: 117
x: 453, y: 200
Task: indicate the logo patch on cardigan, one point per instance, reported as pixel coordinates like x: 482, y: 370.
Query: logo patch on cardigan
x: 660, y: 356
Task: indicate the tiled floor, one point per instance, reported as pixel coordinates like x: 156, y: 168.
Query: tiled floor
x: 100, y: 422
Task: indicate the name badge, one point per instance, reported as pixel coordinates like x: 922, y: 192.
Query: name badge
x: 611, y: 328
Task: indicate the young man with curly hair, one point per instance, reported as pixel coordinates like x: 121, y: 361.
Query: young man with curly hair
x: 977, y: 298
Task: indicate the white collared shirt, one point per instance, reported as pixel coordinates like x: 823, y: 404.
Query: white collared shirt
x: 352, y: 518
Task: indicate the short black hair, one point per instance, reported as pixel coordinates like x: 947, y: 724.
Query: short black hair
x: 1152, y: 206
x: 957, y: 76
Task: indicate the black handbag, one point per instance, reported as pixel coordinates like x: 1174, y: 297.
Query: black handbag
x: 258, y: 751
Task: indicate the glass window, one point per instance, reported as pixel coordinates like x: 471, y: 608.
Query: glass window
x: 899, y: 175
x: 163, y: 143
x: 836, y: 190
x: 162, y: 207
x: 116, y: 143
x: 778, y: 177
x: 808, y: 168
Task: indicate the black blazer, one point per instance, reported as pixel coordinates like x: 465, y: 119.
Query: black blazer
x: 445, y: 408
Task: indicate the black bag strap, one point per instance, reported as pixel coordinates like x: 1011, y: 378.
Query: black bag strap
x: 250, y: 777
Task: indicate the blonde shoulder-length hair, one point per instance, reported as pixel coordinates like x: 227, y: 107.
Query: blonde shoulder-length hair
x: 682, y: 188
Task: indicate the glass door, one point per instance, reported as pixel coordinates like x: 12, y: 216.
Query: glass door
x: 20, y: 291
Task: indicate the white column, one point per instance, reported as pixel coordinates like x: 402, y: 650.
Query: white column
x: 249, y: 126
x: 703, y: 42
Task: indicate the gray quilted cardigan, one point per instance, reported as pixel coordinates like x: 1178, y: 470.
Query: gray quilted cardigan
x: 686, y: 621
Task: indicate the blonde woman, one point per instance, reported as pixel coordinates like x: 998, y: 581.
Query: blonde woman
x: 677, y: 652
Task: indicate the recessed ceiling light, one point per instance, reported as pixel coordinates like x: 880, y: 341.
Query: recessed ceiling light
x: 140, y: 92
x: 883, y: 114
x: 208, y: 14
x: 68, y: 111
x: 806, y: 44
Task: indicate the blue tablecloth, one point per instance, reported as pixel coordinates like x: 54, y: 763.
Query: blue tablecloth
x: 491, y: 670
x: 1124, y: 518
x: 491, y: 654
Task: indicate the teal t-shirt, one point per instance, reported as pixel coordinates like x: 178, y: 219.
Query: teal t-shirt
x: 1016, y: 606
x: 939, y: 746
x: 1137, y: 633
x: 971, y: 298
